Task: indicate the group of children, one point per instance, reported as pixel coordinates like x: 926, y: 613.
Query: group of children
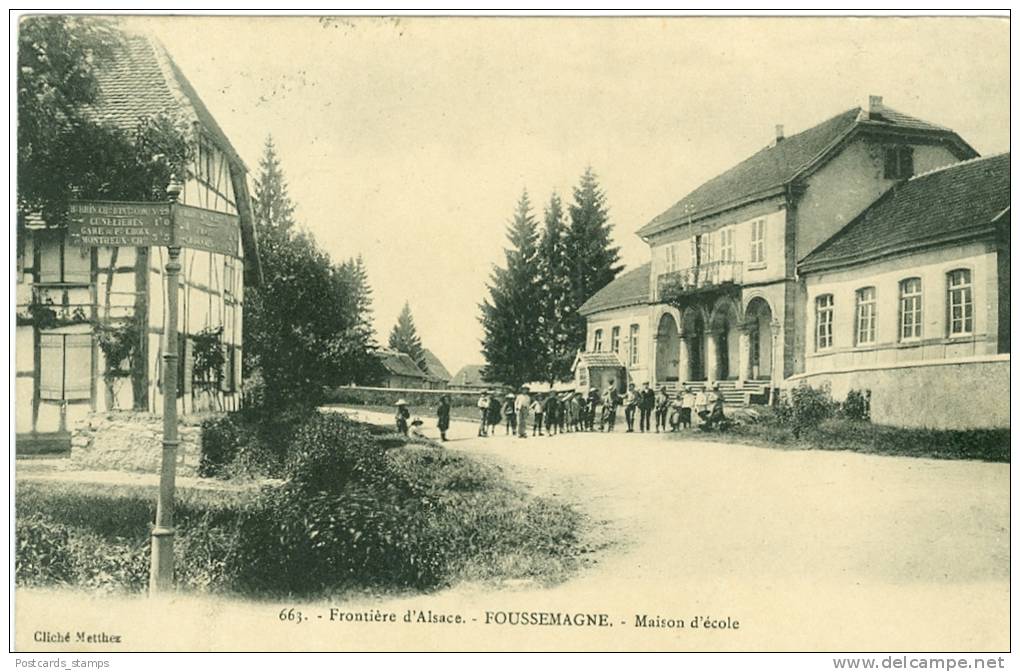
x: 550, y: 413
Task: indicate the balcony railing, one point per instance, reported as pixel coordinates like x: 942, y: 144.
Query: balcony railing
x: 706, y: 276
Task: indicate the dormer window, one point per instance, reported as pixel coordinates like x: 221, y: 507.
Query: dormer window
x: 899, y: 162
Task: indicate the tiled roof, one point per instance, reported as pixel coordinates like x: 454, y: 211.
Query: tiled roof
x: 598, y: 359
x: 436, y: 367
x: 778, y: 164
x: 400, y: 364
x: 930, y: 208
x: 141, y: 80
x: 470, y: 375
x: 629, y: 289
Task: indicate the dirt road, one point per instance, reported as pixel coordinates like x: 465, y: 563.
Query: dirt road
x: 805, y: 550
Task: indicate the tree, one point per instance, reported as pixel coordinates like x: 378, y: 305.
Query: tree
x: 307, y: 327
x: 273, y: 207
x: 64, y: 152
x: 554, y: 279
x: 511, y: 316
x: 404, y: 338
x: 360, y: 365
x: 592, y: 259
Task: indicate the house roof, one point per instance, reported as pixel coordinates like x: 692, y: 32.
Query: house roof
x: 142, y: 80
x: 594, y: 360
x: 955, y: 201
x: 436, y: 367
x: 470, y: 375
x: 400, y: 364
x: 629, y: 289
x: 780, y: 163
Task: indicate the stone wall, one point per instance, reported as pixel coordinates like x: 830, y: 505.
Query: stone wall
x: 971, y: 393
x: 133, y: 441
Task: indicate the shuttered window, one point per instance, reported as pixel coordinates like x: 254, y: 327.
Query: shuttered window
x: 65, y: 366
x: 60, y: 262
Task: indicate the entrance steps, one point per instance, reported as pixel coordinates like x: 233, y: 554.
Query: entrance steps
x: 751, y: 392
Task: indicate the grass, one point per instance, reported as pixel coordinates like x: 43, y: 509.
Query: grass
x: 363, y: 509
x: 861, y: 436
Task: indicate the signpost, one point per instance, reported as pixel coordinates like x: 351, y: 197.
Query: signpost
x: 133, y: 224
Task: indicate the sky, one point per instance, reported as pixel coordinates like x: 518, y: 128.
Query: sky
x: 409, y: 141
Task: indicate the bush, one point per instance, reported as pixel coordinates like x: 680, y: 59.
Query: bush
x: 857, y: 405
x: 352, y: 514
x: 809, y: 407
x: 52, y: 553
x: 249, y: 443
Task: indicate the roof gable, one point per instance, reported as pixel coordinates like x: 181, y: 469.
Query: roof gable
x: 629, y: 289
x: 436, y: 367
x: 141, y: 80
x: 469, y: 375
x: 399, y: 364
x: 944, y: 204
x: 780, y: 163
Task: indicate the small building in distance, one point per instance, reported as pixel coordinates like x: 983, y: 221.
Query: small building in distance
x: 470, y: 378
x: 403, y: 373
x: 439, y: 372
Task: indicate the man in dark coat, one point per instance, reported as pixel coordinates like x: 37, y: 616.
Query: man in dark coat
x: 443, y: 415
x: 646, y: 404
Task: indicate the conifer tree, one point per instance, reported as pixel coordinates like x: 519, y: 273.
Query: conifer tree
x: 273, y: 207
x: 404, y: 338
x: 554, y: 280
x: 593, y: 260
x: 513, y: 342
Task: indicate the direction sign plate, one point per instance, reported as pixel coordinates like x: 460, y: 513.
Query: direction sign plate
x: 209, y: 230
x: 119, y: 223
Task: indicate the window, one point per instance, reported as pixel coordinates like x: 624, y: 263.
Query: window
x: 597, y: 345
x: 910, y: 309
x: 701, y: 249
x: 823, y: 322
x: 59, y: 261
x: 960, y: 303
x: 865, y: 316
x: 671, y: 258
x: 615, y: 340
x: 726, y: 244
x: 758, y: 241
x: 634, y: 331
x: 65, y: 366
x: 899, y: 163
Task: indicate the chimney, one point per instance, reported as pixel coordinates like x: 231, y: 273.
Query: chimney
x: 779, y: 133
x: 874, y: 104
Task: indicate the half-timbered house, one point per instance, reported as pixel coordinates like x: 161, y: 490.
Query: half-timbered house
x: 75, y: 304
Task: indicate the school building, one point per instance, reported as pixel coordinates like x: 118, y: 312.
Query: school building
x: 868, y: 252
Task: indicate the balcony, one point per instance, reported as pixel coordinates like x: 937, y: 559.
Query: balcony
x: 713, y: 275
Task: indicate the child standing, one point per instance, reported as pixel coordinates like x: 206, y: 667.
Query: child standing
x: 687, y: 407
x: 402, y: 416
x: 537, y: 406
x: 483, y: 413
x: 510, y: 413
x: 661, y: 408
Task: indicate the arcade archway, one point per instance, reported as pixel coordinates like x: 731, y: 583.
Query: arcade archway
x: 725, y: 330
x: 667, y: 350
x: 759, y: 324
x: 694, y: 340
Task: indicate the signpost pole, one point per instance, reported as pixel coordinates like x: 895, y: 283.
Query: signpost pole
x: 161, y: 571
